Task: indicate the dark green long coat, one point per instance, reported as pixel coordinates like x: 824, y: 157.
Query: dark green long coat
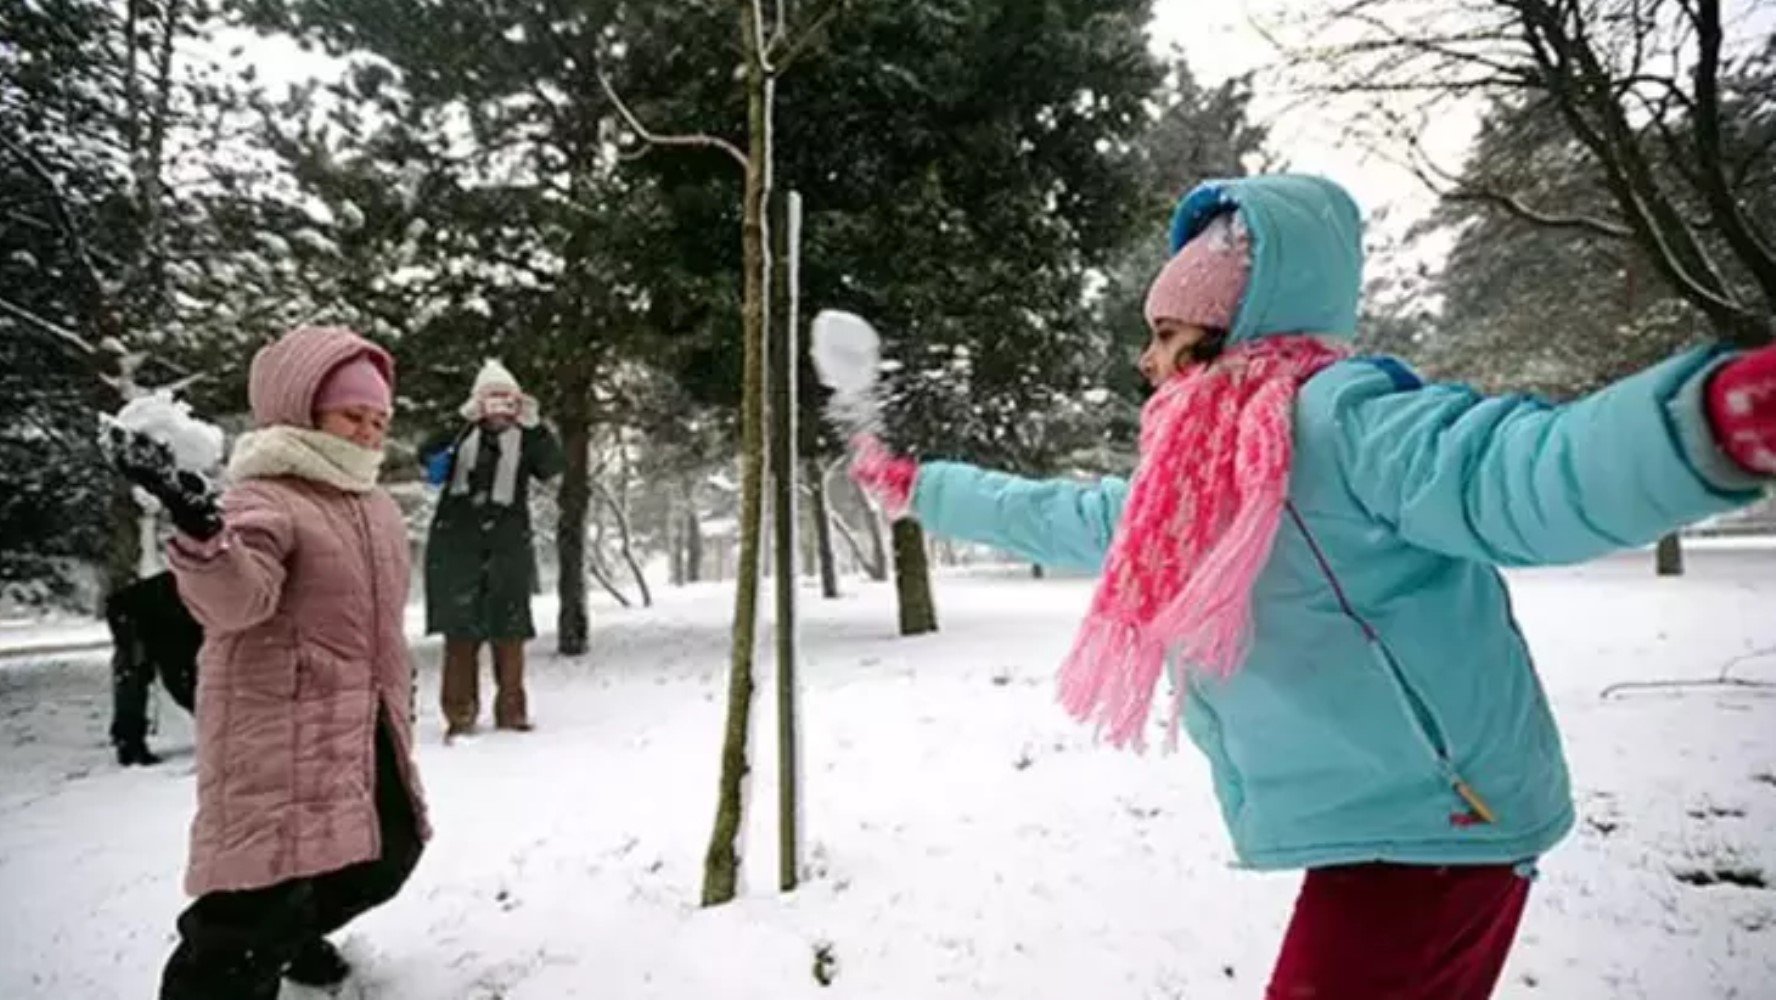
x: 480, y: 561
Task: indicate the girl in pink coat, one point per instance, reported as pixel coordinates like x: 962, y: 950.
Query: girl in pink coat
x: 309, y: 805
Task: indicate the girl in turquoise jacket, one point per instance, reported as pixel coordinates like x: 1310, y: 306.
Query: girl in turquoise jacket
x: 1310, y: 545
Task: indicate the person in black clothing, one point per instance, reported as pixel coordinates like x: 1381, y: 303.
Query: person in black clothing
x: 152, y: 636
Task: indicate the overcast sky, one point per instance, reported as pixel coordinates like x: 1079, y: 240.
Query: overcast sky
x: 1219, y: 40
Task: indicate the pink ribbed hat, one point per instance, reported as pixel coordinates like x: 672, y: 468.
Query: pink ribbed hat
x: 358, y: 382
x: 1203, y: 284
x: 286, y: 376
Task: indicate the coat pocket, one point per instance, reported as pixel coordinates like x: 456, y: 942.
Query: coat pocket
x: 263, y: 661
x: 321, y: 675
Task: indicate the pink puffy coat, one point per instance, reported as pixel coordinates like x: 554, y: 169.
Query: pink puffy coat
x: 302, y: 598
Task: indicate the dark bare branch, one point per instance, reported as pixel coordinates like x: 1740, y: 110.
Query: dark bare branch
x: 1575, y: 79
x: 1669, y: 89
x: 1518, y: 208
x: 1659, y: 119
x: 1445, y: 46
x: 1735, y: 228
x: 1448, y: 185
x: 1463, y: 86
x: 45, y: 328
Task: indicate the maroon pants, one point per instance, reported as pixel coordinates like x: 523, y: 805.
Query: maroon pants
x: 1400, y: 932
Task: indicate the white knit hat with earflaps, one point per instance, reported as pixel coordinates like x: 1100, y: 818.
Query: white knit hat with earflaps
x: 495, y: 377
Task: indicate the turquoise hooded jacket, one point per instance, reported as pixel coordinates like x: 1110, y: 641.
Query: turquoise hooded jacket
x: 1389, y: 709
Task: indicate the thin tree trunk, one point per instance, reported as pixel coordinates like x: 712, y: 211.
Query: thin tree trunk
x: 572, y: 620
x: 595, y: 564
x: 874, y: 563
x: 856, y: 547
x: 810, y: 561
x: 912, y: 579
x: 693, y: 545
x: 596, y: 569
x: 1669, y: 560
x: 623, y: 544
x: 721, y: 863
x: 872, y: 522
x: 674, y: 544
x: 823, y: 547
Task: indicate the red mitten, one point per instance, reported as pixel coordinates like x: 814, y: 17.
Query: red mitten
x: 882, y: 474
x: 1741, y: 404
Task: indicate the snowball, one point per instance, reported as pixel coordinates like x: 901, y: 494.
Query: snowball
x: 196, y: 445
x: 846, y: 351
x: 847, y: 355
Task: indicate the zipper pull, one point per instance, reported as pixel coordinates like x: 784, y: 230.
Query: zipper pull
x: 1481, y: 810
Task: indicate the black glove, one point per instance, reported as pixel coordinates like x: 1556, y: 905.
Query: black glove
x: 190, y: 500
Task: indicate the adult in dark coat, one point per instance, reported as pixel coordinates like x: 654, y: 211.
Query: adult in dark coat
x: 152, y: 636
x: 480, y: 559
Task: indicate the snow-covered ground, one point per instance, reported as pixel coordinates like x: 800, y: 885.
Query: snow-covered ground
x: 963, y: 838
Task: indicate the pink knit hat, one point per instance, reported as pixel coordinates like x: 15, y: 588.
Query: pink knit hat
x: 285, y: 379
x: 1204, y: 283
x: 357, y: 382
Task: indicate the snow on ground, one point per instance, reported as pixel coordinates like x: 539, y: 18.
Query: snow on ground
x: 963, y: 838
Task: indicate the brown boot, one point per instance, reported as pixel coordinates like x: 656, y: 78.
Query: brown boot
x: 460, y: 691
x: 509, y: 706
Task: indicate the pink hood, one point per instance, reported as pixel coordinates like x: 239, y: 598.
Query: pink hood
x: 286, y: 375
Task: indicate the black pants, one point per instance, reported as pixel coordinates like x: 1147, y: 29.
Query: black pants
x: 234, y: 945
x: 152, y: 636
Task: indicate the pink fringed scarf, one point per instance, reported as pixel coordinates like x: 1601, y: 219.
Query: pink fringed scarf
x: 1196, y: 530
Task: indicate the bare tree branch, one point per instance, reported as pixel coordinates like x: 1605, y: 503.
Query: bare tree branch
x: 1442, y: 46
x: 1448, y: 185
x: 785, y: 49
x: 1658, y: 116
x: 1516, y: 206
x: 1463, y: 86
x: 1735, y: 228
x: 696, y: 140
x: 1576, y: 80
x: 1600, y: 64
x: 623, y: 540
x: 65, y: 336
x: 1668, y: 88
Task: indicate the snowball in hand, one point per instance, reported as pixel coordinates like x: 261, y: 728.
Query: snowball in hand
x: 196, y: 445
x: 846, y: 352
